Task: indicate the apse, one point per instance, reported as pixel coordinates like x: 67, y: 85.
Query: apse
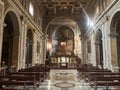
x: 62, y: 41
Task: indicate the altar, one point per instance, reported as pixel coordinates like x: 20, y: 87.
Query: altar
x: 63, y: 65
x: 63, y: 61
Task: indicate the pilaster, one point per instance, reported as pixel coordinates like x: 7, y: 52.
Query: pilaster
x: 1, y: 27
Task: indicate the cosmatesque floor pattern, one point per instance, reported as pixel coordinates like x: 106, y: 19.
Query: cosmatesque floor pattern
x: 65, y: 80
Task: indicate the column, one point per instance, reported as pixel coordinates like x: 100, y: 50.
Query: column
x: 34, y: 53
x: 44, y: 48
x: 114, y: 54
x: 23, y: 45
x: 93, y: 50
x: 1, y: 27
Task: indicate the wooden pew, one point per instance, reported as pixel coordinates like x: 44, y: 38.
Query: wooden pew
x: 38, y: 75
x: 104, y: 81
x: 87, y: 74
x: 16, y: 83
x: 99, y: 70
x: 86, y: 67
x: 18, y: 80
x: 28, y: 70
x: 43, y: 73
x: 37, y: 68
x: 100, y: 77
x: 9, y: 89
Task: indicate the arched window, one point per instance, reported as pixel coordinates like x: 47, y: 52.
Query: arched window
x: 31, y: 9
x: 97, y: 10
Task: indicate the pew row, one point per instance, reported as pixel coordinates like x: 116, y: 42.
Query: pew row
x: 18, y: 80
x: 38, y: 75
x: 104, y: 81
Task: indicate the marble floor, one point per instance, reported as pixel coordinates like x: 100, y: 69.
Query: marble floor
x: 65, y: 80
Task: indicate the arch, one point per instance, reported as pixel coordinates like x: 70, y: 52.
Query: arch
x: 76, y: 33
x: 29, y: 48
x: 115, y: 40
x: 117, y: 10
x: 61, y: 39
x: 61, y: 25
x: 67, y: 26
x: 52, y: 19
x: 63, y: 29
x: 99, y: 48
x: 10, y: 45
x: 17, y: 22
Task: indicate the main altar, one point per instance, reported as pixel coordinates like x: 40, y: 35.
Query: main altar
x: 63, y: 61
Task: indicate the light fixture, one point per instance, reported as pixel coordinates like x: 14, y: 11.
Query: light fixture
x: 63, y: 43
x: 49, y: 46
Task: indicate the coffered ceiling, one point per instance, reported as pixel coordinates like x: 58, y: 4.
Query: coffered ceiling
x: 75, y: 10
x: 64, y: 7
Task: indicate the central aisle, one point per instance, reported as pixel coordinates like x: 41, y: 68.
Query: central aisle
x: 64, y: 79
